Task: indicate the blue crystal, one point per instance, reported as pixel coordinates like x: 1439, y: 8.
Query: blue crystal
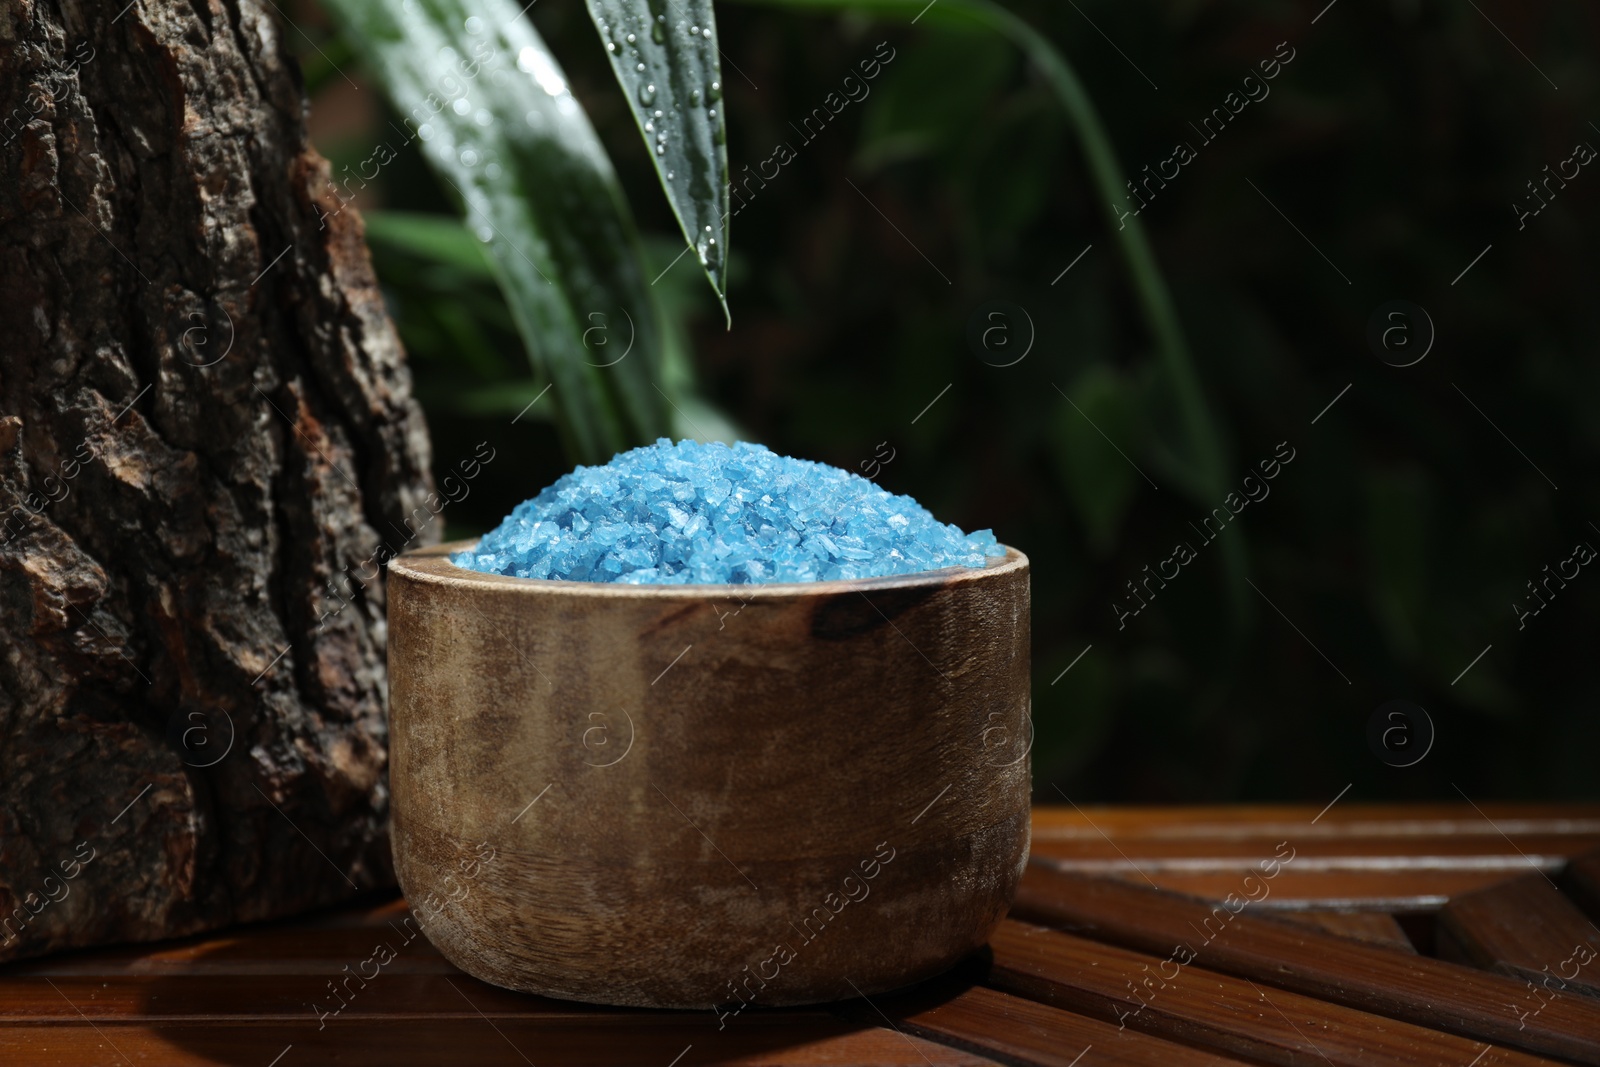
x: 676, y: 514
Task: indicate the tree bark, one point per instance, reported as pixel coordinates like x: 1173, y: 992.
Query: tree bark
x: 208, y: 446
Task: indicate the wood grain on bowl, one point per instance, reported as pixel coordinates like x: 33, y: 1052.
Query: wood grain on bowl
x: 697, y: 796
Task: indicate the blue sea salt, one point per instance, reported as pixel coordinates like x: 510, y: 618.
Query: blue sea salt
x: 675, y: 514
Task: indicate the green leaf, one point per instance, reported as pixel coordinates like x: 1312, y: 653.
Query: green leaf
x: 440, y: 238
x: 1399, y: 546
x: 919, y: 108
x: 320, y: 66
x: 1205, y: 453
x: 682, y: 299
x: 501, y: 399
x: 1101, y: 486
x: 666, y: 59
x: 490, y: 107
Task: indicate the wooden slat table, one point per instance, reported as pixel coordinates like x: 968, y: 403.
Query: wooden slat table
x: 1183, y: 937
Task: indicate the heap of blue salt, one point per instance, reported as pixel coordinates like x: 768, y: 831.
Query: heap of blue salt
x: 674, y: 514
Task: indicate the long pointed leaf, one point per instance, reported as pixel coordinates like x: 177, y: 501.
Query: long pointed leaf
x: 1206, y: 460
x: 665, y: 56
x: 492, y: 111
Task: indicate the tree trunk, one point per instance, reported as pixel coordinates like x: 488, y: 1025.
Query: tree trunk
x: 208, y: 446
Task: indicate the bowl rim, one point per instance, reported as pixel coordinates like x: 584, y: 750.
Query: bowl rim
x: 432, y: 565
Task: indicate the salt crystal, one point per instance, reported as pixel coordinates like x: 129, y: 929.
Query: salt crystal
x: 691, y: 513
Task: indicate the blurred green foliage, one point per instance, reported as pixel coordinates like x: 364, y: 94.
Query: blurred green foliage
x: 1396, y: 542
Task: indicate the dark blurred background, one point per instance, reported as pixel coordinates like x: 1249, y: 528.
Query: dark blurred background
x: 1393, y: 149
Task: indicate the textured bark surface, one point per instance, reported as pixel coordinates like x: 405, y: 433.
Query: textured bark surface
x: 207, y: 446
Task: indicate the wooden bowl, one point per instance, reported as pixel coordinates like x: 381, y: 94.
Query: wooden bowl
x: 708, y: 796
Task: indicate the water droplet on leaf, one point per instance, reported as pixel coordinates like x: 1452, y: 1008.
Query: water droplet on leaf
x: 535, y: 62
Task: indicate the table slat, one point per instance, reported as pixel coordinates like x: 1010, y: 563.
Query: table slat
x: 770, y: 1040
x: 1375, y: 927
x: 1429, y: 822
x: 1526, y: 929
x: 1581, y: 881
x: 1428, y: 992
x: 1023, y: 1031
x: 300, y: 998
x: 1189, y: 1003
x: 1301, y: 889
